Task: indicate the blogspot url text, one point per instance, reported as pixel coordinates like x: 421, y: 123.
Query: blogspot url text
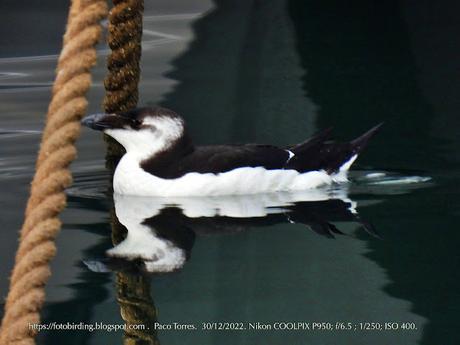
x: 229, y: 326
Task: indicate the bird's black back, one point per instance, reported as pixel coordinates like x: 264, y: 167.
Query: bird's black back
x: 317, y: 153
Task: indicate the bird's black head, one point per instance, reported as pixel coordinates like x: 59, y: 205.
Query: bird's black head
x: 140, y: 129
x: 134, y: 119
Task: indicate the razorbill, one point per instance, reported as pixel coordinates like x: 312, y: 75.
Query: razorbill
x: 161, y: 232
x: 161, y: 159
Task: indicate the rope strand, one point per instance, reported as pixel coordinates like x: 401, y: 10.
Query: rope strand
x: 121, y: 82
x: 47, y: 199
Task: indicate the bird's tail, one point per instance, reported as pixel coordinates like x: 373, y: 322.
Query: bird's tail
x: 360, y: 143
x: 356, y: 146
x: 320, y: 153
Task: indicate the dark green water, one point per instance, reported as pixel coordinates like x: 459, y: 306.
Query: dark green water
x: 275, y: 72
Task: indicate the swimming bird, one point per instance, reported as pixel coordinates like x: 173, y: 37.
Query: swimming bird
x: 161, y: 159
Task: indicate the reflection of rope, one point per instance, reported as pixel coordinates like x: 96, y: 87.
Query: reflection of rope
x: 121, y: 82
x: 57, y: 150
x: 137, y: 309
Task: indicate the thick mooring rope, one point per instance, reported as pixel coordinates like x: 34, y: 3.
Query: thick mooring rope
x: 47, y: 199
x: 121, y: 82
x: 136, y: 308
x: 125, y: 34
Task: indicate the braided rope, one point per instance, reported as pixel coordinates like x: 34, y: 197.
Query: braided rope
x: 47, y: 199
x: 125, y: 34
x: 121, y: 82
x: 136, y: 308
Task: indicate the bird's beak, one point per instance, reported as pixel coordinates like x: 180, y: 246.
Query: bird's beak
x: 101, y: 122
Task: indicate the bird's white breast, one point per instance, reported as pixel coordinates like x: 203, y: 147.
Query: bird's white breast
x: 131, y: 179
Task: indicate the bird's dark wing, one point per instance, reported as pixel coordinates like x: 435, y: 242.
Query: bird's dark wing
x: 220, y: 158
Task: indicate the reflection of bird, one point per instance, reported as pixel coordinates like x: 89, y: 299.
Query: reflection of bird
x: 162, y: 231
x: 161, y: 160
